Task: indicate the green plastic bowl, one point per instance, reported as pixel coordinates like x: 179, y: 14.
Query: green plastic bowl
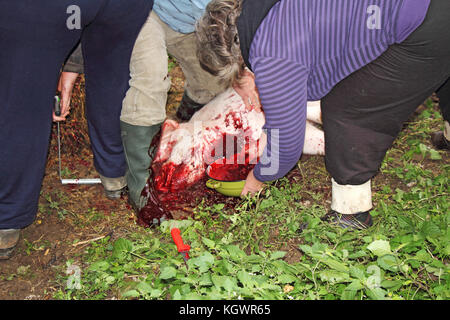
x: 227, y: 188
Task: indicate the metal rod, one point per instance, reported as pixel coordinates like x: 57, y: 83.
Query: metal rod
x: 81, y: 181
x: 69, y: 181
x: 59, y: 153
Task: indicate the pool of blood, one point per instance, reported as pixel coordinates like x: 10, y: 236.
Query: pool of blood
x: 179, y: 205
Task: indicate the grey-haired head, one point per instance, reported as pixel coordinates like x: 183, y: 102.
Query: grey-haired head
x: 218, y: 46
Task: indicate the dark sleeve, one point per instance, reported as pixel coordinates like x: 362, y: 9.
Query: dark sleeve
x: 75, y: 63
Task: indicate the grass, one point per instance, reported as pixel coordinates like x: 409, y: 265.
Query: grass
x: 256, y: 251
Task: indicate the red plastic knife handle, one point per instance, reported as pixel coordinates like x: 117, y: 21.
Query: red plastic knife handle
x: 176, y: 236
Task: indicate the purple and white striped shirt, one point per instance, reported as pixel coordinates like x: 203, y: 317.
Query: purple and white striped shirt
x: 303, y: 48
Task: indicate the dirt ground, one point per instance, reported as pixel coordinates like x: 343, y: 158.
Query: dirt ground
x: 72, y: 217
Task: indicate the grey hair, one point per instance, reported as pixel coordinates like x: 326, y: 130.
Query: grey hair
x: 218, y: 48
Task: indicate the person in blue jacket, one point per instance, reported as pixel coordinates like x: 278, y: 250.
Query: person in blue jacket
x: 169, y: 29
x: 36, y: 37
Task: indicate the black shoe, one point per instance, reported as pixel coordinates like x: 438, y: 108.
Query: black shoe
x: 8, y: 242
x: 439, y: 141
x: 360, y: 221
x: 187, y: 108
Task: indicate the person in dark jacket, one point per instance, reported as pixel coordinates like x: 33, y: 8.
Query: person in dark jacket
x: 169, y: 29
x: 36, y: 37
x: 370, y: 63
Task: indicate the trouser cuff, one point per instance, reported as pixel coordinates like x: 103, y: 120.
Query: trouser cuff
x: 447, y: 130
x: 113, y: 184
x: 351, y: 199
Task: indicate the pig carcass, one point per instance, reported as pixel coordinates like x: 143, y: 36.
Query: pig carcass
x: 223, y: 127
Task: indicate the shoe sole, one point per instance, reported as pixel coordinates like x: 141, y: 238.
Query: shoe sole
x: 8, y: 242
x: 439, y: 141
x: 348, y: 221
x: 116, y: 194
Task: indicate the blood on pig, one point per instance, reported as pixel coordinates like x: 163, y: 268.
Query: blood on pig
x: 235, y: 167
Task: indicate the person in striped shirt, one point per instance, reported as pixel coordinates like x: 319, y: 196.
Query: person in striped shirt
x: 371, y: 62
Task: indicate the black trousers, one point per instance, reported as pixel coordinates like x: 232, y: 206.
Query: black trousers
x: 364, y: 113
x: 35, y: 39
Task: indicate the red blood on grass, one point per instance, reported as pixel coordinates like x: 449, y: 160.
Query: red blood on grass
x: 155, y: 211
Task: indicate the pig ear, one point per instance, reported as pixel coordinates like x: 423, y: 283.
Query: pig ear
x: 169, y: 125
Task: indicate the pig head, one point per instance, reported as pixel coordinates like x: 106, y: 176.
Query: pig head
x: 223, y: 127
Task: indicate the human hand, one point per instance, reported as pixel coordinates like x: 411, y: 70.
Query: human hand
x: 252, y: 185
x: 65, y: 87
x: 246, y: 88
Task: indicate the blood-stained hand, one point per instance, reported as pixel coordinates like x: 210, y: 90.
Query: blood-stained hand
x: 65, y: 87
x: 246, y: 88
x: 252, y: 185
